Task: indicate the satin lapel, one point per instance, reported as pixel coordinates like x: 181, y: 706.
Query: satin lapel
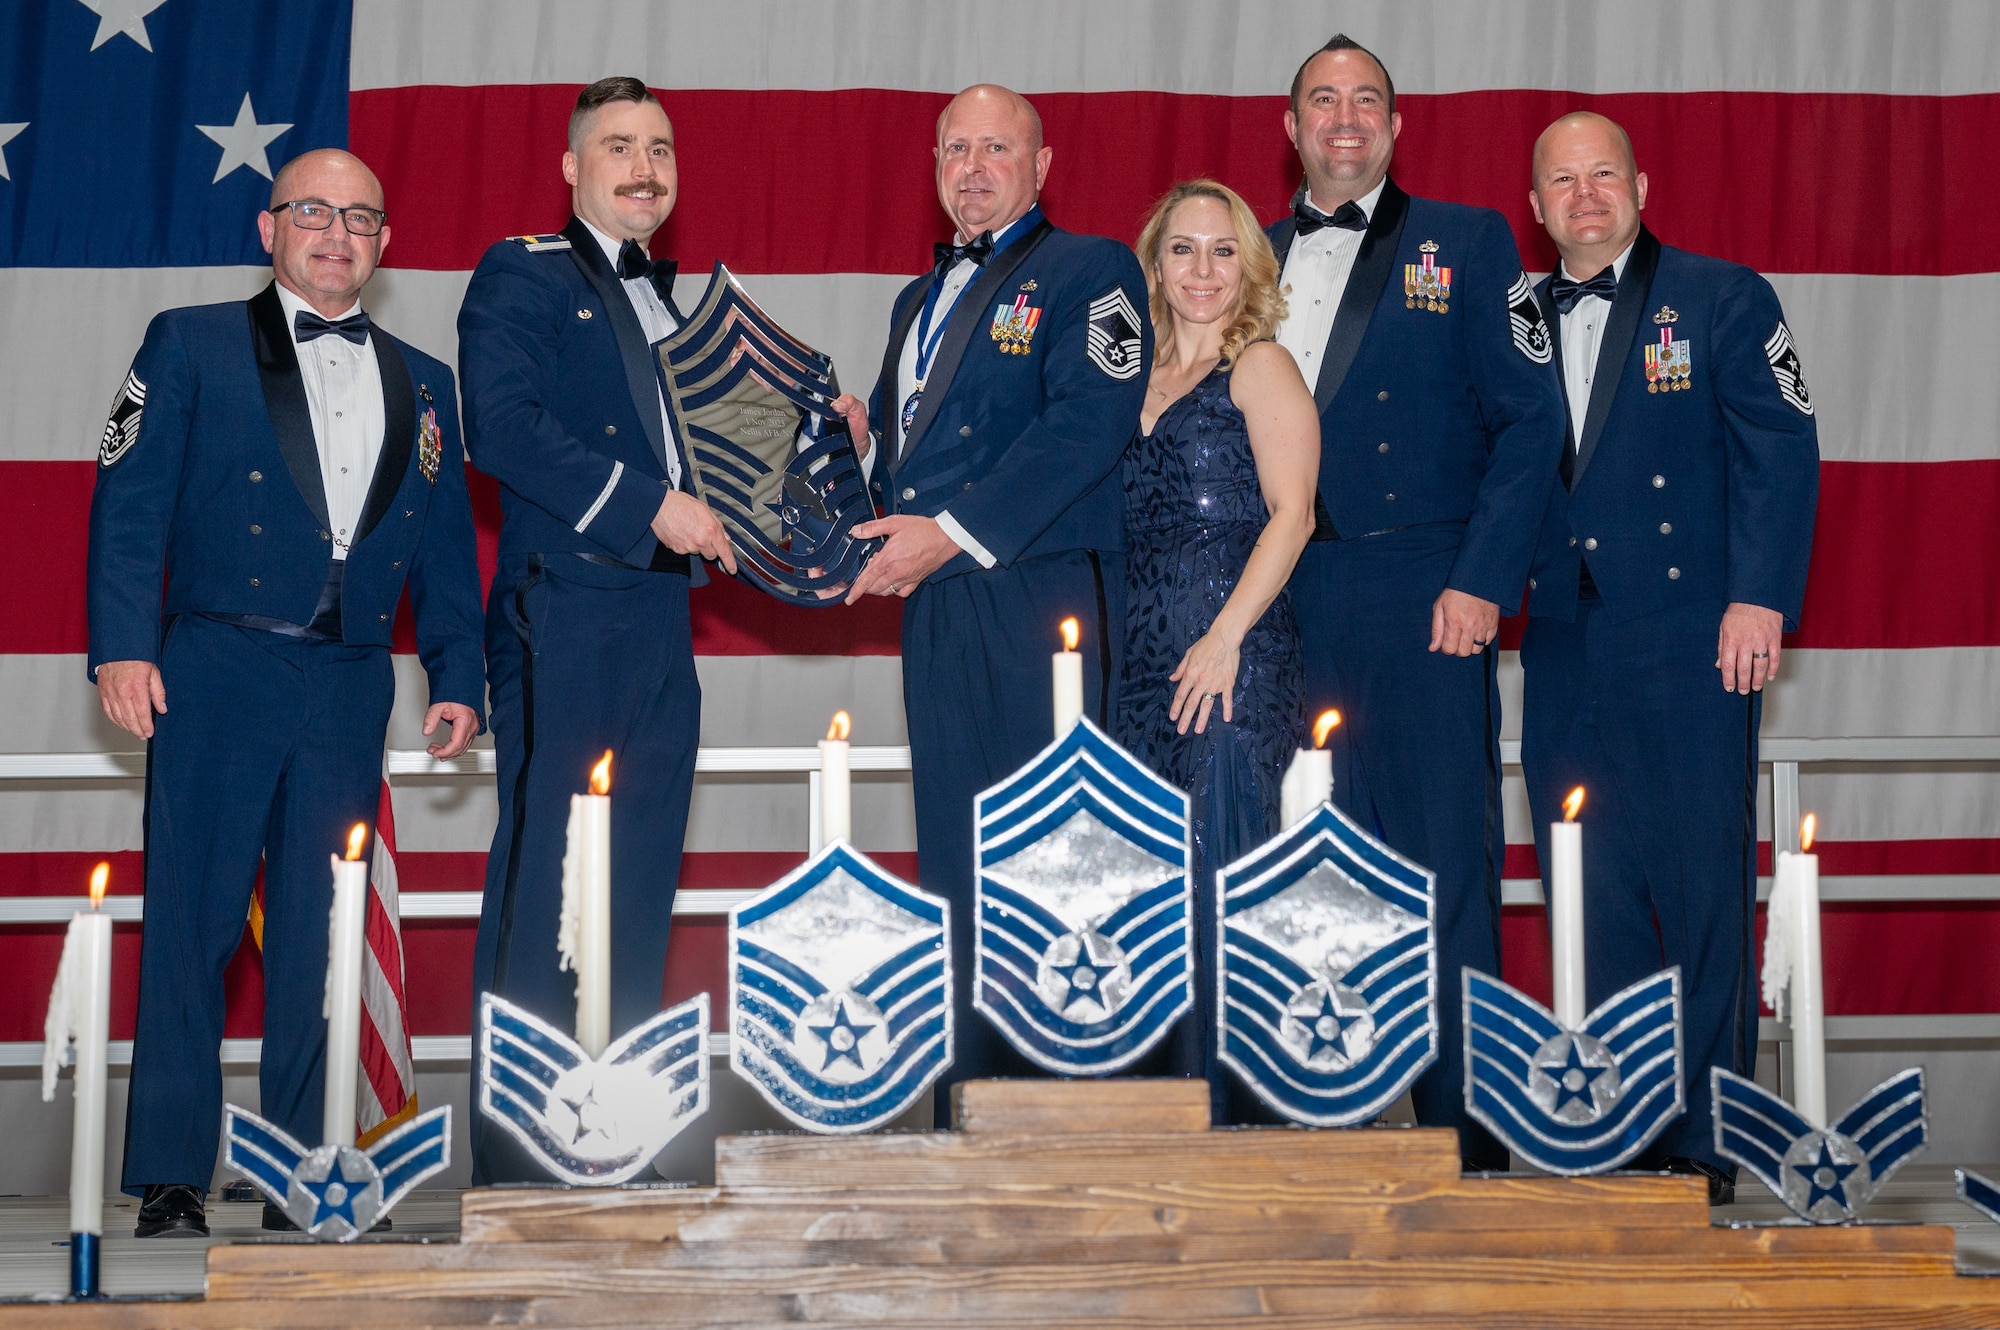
x: 285, y: 399
x: 966, y: 317
x: 1627, y: 307
x: 642, y: 377
x: 1553, y: 319
x: 399, y: 428
x: 892, y: 375
x: 1365, y: 282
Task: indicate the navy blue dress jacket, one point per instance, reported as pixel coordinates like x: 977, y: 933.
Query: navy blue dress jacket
x: 1698, y: 472
x: 209, y: 479
x: 1439, y: 409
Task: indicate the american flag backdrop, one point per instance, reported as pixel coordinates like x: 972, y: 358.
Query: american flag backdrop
x: 1842, y: 148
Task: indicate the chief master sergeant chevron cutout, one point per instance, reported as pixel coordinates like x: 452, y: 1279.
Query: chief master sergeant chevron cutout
x: 1084, y: 906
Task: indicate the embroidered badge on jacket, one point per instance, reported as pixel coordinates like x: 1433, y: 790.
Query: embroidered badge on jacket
x: 1114, y: 342
x: 1524, y: 318
x: 1014, y: 326
x: 1785, y: 368
x: 121, y: 431
x: 1425, y: 284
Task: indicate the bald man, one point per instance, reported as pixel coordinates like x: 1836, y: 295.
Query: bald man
x: 1012, y: 382
x: 286, y: 468
x: 1672, y: 556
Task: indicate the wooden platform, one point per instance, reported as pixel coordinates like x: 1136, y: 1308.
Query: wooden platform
x: 1093, y: 1204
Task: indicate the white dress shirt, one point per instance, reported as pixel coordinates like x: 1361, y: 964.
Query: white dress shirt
x: 1582, y: 335
x: 1316, y: 272
x: 344, y: 394
x: 657, y: 324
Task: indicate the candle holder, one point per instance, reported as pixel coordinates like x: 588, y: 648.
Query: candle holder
x: 593, y: 1122
x: 1574, y: 1101
x: 1084, y: 905
x: 335, y: 1193
x: 1822, y: 1176
x: 1326, y: 972
x: 840, y: 992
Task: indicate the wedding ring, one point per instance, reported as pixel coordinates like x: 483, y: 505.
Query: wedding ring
x: 894, y: 589
x: 1760, y: 655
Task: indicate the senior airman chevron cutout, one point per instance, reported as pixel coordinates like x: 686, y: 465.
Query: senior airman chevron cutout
x: 1326, y: 975
x: 1824, y: 1177
x: 335, y: 1193
x: 1978, y: 1192
x: 1085, y: 910
x: 1579, y: 1101
x: 840, y: 992
x: 593, y: 1122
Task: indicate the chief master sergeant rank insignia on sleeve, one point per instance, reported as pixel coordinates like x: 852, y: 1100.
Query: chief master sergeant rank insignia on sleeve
x: 121, y: 431
x: 1114, y: 334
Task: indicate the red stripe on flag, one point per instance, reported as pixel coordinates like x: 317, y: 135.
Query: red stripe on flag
x: 495, y: 150
x: 383, y: 982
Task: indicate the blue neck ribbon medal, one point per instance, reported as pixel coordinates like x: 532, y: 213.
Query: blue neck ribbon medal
x: 1326, y: 971
x: 840, y: 992
x: 1826, y: 1176
x: 1085, y: 908
x: 1574, y: 1102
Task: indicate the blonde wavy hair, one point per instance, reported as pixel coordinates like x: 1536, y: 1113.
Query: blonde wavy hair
x: 1259, y: 304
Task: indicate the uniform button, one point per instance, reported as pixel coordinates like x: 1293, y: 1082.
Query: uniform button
x: 965, y: 431
x: 1572, y: 541
x: 256, y: 530
x: 1666, y: 528
x: 256, y: 476
x: 1531, y: 584
x: 1673, y: 574
x: 1590, y: 544
x: 324, y: 536
x: 1659, y: 482
x: 909, y: 493
x: 381, y: 616
x: 610, y: 429
x: 1382, y: 396
x: 1390, y: 497
x: 966, y: 486
x: 255, y: 582
x: 1381, y: 447
x: 397, y: 564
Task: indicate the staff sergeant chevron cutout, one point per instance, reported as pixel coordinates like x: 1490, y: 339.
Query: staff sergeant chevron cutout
x: 593, y: 1122
x: 1577, y: 1101
x: 1086, y: 927
x: 840, y: 992
x: 335, y: 1193
x: 1823, y: 1176
x: 1326, y: 976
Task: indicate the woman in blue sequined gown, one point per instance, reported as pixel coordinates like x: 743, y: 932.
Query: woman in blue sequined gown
x: 1219, y: 486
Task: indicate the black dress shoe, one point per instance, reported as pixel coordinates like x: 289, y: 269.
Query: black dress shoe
x: 1721, y: 1186
x: 172, y: 1210
x: 277, y: 1221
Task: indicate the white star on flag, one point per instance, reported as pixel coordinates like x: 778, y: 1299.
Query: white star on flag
x: 126, y: 16
x: 7, y: 133
x: 243, y: 143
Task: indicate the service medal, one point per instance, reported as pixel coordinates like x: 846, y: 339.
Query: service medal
x: 1425, y: 284
x: 430, y: 446
x: 1669, y: 365
x: 1014, y: 326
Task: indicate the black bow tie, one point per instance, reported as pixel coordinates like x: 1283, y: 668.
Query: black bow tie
x: 979, y: 249
x: 1348, y: 217
x: 1566, y: 292
x: 307, y: 325
x: 634, y: 263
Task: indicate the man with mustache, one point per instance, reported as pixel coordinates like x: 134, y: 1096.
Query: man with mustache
x: 1675, y: 547
x: 588, y: 645
x: 288, y: 468
x: 1440, y: 420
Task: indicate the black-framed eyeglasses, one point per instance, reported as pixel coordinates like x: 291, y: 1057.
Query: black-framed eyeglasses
x: 315, y: 215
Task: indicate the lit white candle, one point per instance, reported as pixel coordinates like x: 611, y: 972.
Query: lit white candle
x: 1308, y: 782
x: 1566, y: 911
x: 80, y: 1008
x: 583, y: 941
x: 346, y: 936
x: 836, y: 797
x: 1808, y: 994
x: 1068, y: 679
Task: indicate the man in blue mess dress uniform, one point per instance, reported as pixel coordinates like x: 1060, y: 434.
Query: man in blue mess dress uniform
x: 1673, y: 556
x: 1011, y: 384
x: 1440, y: 419
x: 588, y: 646
x: 287, y: 468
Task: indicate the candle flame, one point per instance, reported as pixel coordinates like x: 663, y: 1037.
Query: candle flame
x: 356, y: 838
x: 1324, y: 726
x: 1807, y: 826
x: 1071, y: 633
x: 100, y: 878
x: 600, y: 775
x: 1573, y: 805
x: 840, y: 726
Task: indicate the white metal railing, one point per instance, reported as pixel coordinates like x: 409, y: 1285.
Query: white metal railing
x: 1783, y: 756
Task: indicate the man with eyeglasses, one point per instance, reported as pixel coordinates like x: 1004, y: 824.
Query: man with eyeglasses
x: 287, y: 469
